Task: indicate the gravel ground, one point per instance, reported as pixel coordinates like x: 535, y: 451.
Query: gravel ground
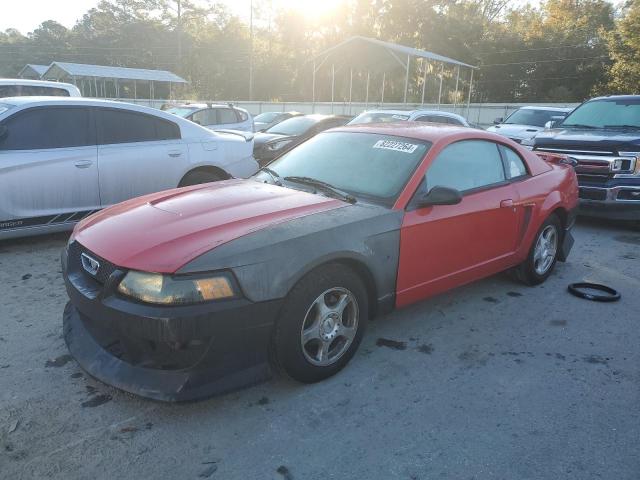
x: 491, y: 381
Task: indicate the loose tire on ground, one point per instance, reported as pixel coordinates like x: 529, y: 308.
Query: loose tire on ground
x: 529, y: 271
x: 305, y: 325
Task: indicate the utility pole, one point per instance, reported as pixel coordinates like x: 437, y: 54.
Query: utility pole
x: 179, y: 28
x: 251, y: 51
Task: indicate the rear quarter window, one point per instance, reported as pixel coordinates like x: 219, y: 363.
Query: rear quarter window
x: 122, y: 126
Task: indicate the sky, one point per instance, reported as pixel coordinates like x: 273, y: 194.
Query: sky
x: 26, y: 15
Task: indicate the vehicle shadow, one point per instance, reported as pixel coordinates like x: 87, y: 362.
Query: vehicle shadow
x: 45, y: 241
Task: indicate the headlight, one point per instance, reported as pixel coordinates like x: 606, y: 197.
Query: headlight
x: 278, y: 145
x: 168, y: 290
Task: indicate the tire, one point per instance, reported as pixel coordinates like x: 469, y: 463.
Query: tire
x: 535, y: 270
x: 301, y: 356
x: 200, y: 176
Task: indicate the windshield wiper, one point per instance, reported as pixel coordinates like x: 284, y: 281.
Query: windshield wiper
x: 577, y: 125
x: 324, y: 186
x: 274, y: 175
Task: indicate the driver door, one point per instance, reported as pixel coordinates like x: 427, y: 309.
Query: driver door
x: 444, y: 246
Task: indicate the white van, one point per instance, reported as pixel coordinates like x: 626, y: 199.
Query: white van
x: 18, y: 87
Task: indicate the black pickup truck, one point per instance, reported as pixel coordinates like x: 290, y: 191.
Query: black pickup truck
x: 602, y: 136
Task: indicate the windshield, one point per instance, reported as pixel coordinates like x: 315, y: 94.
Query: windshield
x: 606, y: 113
x: 378, y: 117
x: 293, y: 126
x: 182, y: 111
x: 366, y: 164
x: 529, y: 116
x: 266, y: 117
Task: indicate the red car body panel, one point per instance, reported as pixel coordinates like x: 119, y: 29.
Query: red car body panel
x: 174, y: 227
x: 446, y: 246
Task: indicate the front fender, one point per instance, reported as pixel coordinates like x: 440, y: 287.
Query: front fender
x: 269, y: 262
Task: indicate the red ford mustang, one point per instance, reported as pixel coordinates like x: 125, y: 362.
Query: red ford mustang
x: 182, y: 294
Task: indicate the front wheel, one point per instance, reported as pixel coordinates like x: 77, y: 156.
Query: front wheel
x: 321, y: 325
x: 543, y: 255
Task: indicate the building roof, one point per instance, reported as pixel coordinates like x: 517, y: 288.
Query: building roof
x: 37, y: 69
x: 102, y: 71
x: 379, y: 54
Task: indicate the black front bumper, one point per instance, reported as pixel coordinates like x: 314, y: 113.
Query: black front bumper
x: 165, y: 353
x: 616, y: 199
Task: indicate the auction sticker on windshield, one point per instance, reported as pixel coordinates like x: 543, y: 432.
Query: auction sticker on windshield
x: 395, y: 145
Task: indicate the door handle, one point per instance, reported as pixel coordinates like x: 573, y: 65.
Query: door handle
x: 506, y: 203
x: 175, y: 154
x: 84, y: 164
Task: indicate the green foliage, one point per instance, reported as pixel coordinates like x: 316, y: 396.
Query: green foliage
x: 560, y: 51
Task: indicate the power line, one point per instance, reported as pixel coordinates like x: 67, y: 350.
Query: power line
x: 542, y: 61
x: 530, y: 79
x: 534, y: 49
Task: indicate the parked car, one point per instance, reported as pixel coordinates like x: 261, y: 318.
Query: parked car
x: 431, y: 116
x: 62, y: 159
x: 526, y: 122
x: 215, y: 117
x: 183, y: 294
x: 603, y: 137
x: 18, y: 87
x: 286, y: 135
x: 266, y: 120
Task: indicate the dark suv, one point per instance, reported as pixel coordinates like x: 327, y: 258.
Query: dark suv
x: 603, y: 137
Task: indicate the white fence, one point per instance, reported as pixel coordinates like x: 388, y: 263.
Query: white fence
x: 480, y: 113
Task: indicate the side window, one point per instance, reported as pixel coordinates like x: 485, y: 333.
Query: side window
x: 204, y: 117
x: 467, y: 165
x: 226, y: 115
x: 435, y: 119
x: 242, y: 116
x: 52, y: 127
x: 166, y: 130
x: 35, y: 90
x: 121, y: 126
x: 514, y: 164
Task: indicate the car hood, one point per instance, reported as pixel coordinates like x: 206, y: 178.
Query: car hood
x: 516, y: 131
x: 162, y: 232
x: 262, y: 138
x: 589, y: 139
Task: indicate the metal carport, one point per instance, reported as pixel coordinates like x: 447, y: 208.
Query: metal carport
x: 92, y: 79
x: 33, y: 71
x: 370, y: 54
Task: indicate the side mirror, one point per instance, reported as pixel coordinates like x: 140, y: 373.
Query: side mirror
x: 440, y: 196
x: 498, y: 120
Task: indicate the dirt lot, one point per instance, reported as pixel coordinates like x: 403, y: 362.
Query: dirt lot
x: 491, y: 381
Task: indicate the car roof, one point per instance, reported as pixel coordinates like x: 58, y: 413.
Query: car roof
x: 197, y: 106
x: 616, y: 97
x: 412, y: 112
x: 36, y: 83
x: 429, y: 132
x: 187, y: 127
x: 552, y: 109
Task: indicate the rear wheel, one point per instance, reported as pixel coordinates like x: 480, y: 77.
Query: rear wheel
x: 200, y: 176
x: 321, y: 325
x: 543, y: 255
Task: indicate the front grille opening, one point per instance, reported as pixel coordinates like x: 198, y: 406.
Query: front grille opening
x: 589, y: 194
x: 629, y: 195
x: 145, y: 353
x: 75, y: 263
